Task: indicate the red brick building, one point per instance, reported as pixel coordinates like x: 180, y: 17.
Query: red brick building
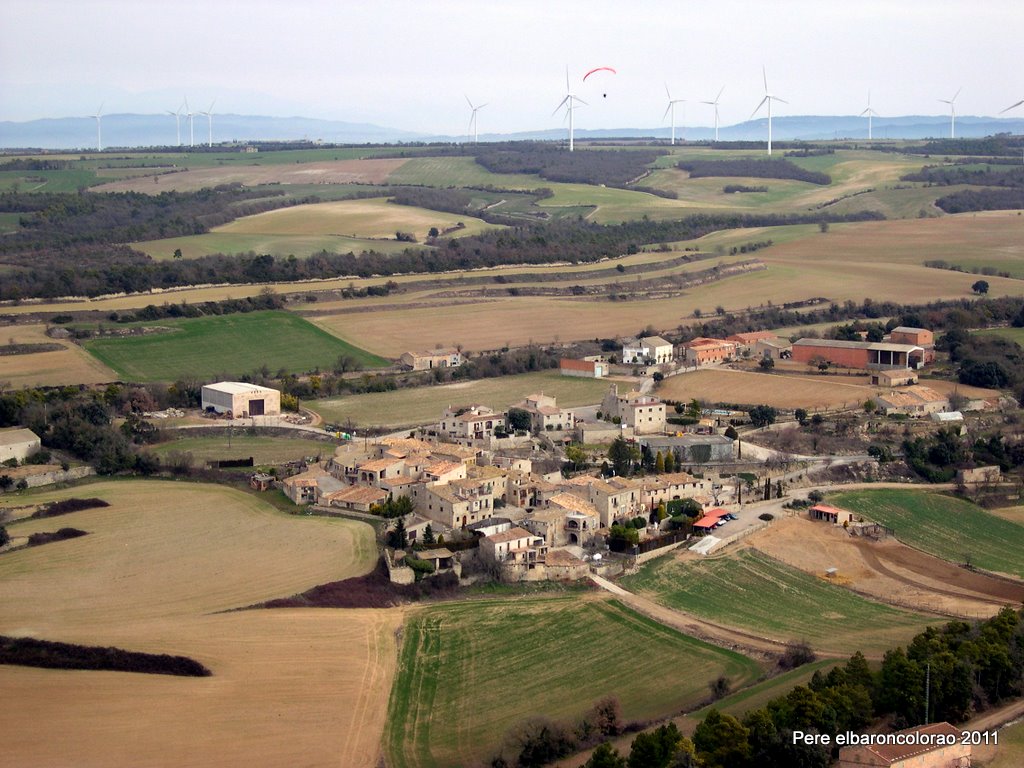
x: 865, y: 355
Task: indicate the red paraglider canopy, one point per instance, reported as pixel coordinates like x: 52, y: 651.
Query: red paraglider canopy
x: 599, y: 69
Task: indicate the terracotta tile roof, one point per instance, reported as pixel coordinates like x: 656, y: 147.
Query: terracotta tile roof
x: 573, y: 504
x: 510, y: 535
x: 443, y: 467
x: 377, y: 465
x: 357, y: 494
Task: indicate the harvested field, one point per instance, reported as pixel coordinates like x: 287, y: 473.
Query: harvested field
x: 468, y: 672
x: 423, y: 405
x: 368, y: 218
x: 160, y: 564
x: 886, y: 570
x: 225, y: 345
x: 754, y: 592
x: 318, y: 172
x: 779, y: 390
x: 950, y: 528
x: 459, y: 172
x: 69, y: 365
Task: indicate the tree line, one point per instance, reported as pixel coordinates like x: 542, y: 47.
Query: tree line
x: 779, y: 168
x: 87, y: 270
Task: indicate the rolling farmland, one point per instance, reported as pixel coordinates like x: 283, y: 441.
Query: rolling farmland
x: 756, y: 593
x: 155, y: 573
x: 229, y: 344
x: 367, y: 218
x: 950, y: 528
x: 264, y: 450
x: 468, y: 672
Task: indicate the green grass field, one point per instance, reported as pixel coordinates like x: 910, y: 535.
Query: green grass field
x: 230, y: 345
x: 752, y: 591
x: 1010, y: 753
x: 470, y: 672
x: 422, y: 405
x: 1015, y: 335
x: 264, y: 450
x: 761, y: 693
x: 947, y: 527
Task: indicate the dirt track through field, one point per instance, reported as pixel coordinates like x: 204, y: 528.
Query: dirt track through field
x: 930, y: 569
x: 702, y: 629
x: 888, y: 571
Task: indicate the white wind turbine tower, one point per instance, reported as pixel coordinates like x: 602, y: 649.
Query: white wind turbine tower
x: 209, y: 123
x: 715, y: 105
x: 99, y: 133
x: 870, y: 113
x: 191, y: 124
x: 672, y: 108
x: 472, y: 119
x: 769, y: 98
x: 952, y: 112
x: 177, y: 122
x: 569, y: 102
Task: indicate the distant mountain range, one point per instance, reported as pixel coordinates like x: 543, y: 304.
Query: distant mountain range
x: 132, y: 130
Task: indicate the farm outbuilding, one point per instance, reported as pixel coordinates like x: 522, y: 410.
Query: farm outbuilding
x: 241, y: 400
x: 830, y: 514
x: 18, y: 443
x: 866, y: 355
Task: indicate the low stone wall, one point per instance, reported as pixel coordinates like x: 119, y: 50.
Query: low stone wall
x: 398, y: 575
x: 58, y: 476
x: 643, y: 558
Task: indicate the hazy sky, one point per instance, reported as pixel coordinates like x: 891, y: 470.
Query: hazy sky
x: 408, y: 64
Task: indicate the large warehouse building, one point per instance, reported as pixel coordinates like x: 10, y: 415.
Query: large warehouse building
x: 866, y: 355
x: 242, y: 400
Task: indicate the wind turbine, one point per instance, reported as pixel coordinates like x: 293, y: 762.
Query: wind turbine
x: 209, y: 122
x: 177, y: 122
x: 672, y: 108
x: 472, y: 119
x: 191, y: 124
x: 569, y: 102
x: 952, y: 112
x: 715, y: 105
x: 1013, y: 106
x: 99, y: 134
x: 769, y: 98
x: 870, y: 113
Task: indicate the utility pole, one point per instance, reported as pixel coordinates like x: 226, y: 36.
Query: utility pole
x: 927, y: 692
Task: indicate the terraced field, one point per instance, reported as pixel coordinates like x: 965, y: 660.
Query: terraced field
x: 207, y: 347
x: 194, y: 246
x: 468, y: 672
x: 757, y: 593
x: 951, y: 528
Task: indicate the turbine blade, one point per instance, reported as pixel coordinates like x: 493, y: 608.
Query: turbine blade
x: 1013, y: 106
x: 776, y: 98
x: 667, y: 93
x: 581, y: 101
x: 483, y: 105
x: 957, y: 93
x: 567, y: 86
x: 560, y: 105
x: 468, y: 101
x: 764, y: 72
x: 759, y: 106
x: 666, y: 111
x: 719, y: 94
